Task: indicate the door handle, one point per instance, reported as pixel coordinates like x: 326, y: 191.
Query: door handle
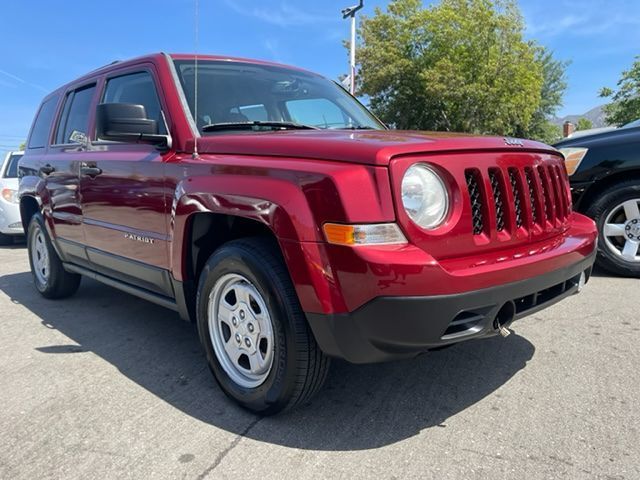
x: 47, y: 169
x: 90, y: 170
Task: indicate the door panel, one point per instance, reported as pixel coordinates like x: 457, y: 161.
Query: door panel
x: 63, y: 187
x: 125, y: 206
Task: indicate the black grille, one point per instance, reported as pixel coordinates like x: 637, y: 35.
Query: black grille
x: 532, y: 194
x: 546, y: 194
x: 497, y: 199
x: 475, y: 195
x: 517, y: 200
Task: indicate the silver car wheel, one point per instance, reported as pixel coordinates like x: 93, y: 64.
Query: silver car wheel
x: 40, y: 256
x: 621, y: 230
x: 241, y: 330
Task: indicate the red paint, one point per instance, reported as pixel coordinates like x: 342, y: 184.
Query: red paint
x: 293, y: 182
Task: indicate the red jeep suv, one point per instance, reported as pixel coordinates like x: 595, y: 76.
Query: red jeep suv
x: 267, y: 205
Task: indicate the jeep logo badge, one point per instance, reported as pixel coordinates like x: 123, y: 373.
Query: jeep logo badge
x: 513, y: 142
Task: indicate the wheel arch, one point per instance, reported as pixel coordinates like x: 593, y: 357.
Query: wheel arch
x: 198, y: 233
x: 604, y: 184
x: 29, y: 206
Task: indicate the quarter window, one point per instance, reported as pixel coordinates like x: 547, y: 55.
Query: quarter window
x: 42, y: 125
x: 139, y: 89
x: 75, y: 115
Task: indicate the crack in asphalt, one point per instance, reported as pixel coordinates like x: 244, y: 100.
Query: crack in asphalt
x: 226, y: 451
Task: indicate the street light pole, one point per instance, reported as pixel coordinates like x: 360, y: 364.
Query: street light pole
x: 350, y: 12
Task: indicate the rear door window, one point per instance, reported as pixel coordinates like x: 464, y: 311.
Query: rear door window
x: 42, y: 125
x: 138, y: 89
x: 12, y: 167
x: 75, y: 115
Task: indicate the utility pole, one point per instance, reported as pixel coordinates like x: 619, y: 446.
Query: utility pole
x: 350, y: 12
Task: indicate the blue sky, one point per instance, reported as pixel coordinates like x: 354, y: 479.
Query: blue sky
x: 47, y: 43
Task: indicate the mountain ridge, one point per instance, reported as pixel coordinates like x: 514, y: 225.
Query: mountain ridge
x: 596, y: 115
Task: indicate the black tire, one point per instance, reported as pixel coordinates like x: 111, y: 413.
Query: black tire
x: 58, y: 283
x: 5, y: 240
x: 599, y: 209
x: 299, y: 367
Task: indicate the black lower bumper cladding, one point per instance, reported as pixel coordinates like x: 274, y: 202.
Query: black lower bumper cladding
x: 390, y: 328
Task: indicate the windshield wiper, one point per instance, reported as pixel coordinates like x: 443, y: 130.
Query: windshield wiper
x: 358, y: 127
x: 257, y: 125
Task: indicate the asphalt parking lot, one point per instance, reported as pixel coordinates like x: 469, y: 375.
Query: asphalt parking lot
x: 105, y: 385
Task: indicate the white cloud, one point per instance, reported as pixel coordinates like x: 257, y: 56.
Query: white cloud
x: 590, y: 19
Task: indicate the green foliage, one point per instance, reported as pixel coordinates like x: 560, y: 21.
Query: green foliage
x: 554, y: 84
x: 625, y: 104
x: 546, y: 132
x: 584, y: 124
x: 22, y: 146
x: 459, y: 65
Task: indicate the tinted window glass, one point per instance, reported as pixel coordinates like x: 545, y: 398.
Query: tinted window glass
x: 254, y: 113
x: 75, y: 116
x: 42, y: 125
x: 12, y: 167
x: 230, y: 92
x: 139, y: 89
x: 318, y: 112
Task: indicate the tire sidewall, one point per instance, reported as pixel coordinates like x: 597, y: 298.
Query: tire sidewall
x: 37, y: 224
x: 599, y: 211
x: 276, y: 389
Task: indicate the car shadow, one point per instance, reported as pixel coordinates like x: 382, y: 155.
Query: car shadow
x: 360, y: 407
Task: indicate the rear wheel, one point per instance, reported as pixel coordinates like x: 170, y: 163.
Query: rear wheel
x: 255, y: 335
x: 49, y: 276
x: 617, y: 214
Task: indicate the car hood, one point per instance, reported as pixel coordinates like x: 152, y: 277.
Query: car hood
x: 618, y: 135
x: 366, y: 147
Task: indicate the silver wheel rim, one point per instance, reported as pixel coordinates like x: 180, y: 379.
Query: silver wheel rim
x: 40, y: 256
x: 241, y: 330
x: 622, y: 231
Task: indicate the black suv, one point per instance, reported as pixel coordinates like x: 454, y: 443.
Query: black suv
x: 604, y: 171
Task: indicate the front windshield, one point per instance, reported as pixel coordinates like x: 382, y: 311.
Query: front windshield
x: 235, y: 92
x: 635, y: 123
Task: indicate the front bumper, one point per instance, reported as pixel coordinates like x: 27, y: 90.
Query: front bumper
x: 390, y: 328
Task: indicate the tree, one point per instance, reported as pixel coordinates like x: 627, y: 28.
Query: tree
x: 554, y: 84
x: 584, y: 124
x: 459, y: 65
x: 22, y: 146
x: 625, y: 104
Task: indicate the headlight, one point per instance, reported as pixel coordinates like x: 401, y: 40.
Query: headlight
x: 572, y: 158
x: 424, y: 196
x: 10, y: 195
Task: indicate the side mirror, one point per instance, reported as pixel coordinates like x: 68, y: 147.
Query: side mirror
x: 127, y: 122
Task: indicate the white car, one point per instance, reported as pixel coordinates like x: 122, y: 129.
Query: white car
x: 10, y: 223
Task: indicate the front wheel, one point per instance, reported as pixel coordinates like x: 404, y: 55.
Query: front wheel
x: 617, y: 214
x: 255, y: 335
x: 49, y: 276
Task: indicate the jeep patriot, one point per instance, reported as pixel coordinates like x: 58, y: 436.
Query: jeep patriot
x: 268, y: 206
